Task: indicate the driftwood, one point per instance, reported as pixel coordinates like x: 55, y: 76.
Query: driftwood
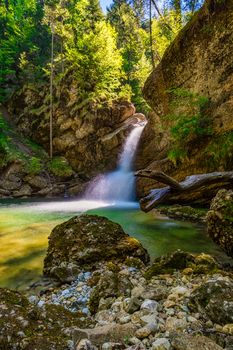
x: 199, y: 188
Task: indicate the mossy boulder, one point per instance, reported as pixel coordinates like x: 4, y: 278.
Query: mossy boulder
x: 179, y: 260
x: 220, y: 220
x: 86, y: 241
x: 215, y: 299
x: 26, y: 326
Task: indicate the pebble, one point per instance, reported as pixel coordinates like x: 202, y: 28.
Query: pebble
x: 41, y: 303
x: 228, y: 328
x: 74, y: 297
x: 149, y: 305
x: 143, y: 332
x: 175, y: 324
x: 33, y: 299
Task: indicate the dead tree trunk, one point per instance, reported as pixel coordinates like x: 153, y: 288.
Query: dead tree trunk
x: 199, y: 188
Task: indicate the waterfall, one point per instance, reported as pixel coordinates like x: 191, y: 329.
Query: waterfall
x: 119, y: 185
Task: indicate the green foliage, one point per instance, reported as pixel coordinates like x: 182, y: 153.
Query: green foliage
x: 228, y: 211
x: 34, y: 165
x: 60, y: 167
x: 132, y: 42
x: 190, y: 122
x: 177, y: 155
x: 164, y: 31
x: 220, y: 151
x: 20, y: 32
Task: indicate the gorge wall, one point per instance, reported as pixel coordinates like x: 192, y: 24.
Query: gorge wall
x: 194, y: 84
x: 87, y: 135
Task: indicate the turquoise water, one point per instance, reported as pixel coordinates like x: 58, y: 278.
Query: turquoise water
x: 25, y: 226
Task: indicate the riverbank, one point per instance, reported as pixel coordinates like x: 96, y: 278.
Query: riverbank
x: 101, y: 292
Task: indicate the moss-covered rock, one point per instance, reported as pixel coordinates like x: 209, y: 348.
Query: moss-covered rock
x: 215, y: 299
x: 84, y: 242
x: 26, y: 326
x: 184, y: 212
x: 179, y: 260
x: 220, y: 220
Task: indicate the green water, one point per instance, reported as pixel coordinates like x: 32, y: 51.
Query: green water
x: 25, y: 227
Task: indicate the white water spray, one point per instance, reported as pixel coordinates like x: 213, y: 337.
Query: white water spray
x: 118, y: 185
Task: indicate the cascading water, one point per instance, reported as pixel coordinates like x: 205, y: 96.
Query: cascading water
x: 119, y: 185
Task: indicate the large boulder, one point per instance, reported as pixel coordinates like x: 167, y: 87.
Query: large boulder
x: 85, y: 241
x: 198, y: 62
x: 214, y: 298
x: 190, y: 342
x: 220, y: 220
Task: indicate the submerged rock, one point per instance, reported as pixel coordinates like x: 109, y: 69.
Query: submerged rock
x: 84, y: 242
x: 220, y: 220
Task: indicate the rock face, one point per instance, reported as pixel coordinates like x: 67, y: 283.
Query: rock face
x: 197, y: 62
x: 86, y: 240
x: 220, y: 221
x: 90, y: 137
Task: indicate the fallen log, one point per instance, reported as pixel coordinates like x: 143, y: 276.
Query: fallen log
x: 200, y: 188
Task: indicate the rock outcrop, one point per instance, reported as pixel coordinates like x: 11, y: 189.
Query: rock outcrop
x: 220, y: 220
x: 198, y: 63
x: 85, y: 241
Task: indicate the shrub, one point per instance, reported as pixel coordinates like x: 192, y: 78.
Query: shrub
x: 189, y: 116
x: 33, y: 165
x: 60, y: 167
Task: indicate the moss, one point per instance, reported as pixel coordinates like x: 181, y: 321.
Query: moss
x: 59, y: 166
x: 167, y: 264
x: 112, y: 267
x: 134, y: 262
x: 94, y: 301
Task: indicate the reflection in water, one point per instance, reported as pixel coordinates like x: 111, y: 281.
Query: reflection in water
x: 25, y: 226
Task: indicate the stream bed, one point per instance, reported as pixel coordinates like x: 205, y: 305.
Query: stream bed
x: 26, y: 224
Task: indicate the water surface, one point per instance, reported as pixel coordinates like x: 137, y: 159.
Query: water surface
x: 25, y: 226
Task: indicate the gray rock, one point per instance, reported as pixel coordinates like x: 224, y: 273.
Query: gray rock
x: 149, y: 305
x: 133, y: 305
x: 175, y: 324
x: 215, y: 299
x: 161, y: 344
x: 24, y: 191
x: 183, y: 341
x: 85, y: 344
x: 112, y: 346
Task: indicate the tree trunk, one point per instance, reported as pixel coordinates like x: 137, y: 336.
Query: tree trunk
x: 51, y: 97
x: 151, y: 38
x: 199, y: 188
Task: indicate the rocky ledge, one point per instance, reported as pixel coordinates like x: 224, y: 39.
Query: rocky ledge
x: 180, y: 302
